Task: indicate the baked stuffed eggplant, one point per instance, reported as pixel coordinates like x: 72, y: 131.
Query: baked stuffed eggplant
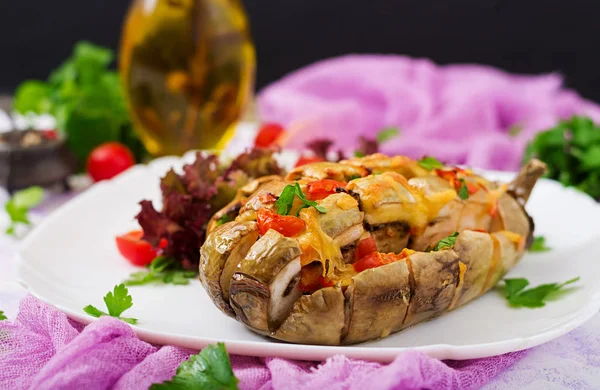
x: 342, y: 253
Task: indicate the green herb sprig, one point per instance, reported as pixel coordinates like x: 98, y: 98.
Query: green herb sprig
x: 116, y: 302
x: 444, y: 243
x: 286, y: 200
x: 208, y: 370
x: 387, y: 134
x: 19, y: 205
x: 162, y: 270
x: 517, y: 296
x: 539, y: 245
x: 2, y: 316
x: 430, y: 163
x: 463, y: 192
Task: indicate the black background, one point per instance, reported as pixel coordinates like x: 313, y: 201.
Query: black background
x: 523, y: 36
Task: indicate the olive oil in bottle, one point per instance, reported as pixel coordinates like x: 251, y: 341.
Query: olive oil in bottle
x: 188, y: 71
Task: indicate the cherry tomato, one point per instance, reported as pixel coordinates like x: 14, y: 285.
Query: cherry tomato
x: 378, y: 259
x: 50, y: 135
x: 108, y: 160
x: 321, y: 189
x: 303, y: 160
x: 268, y: 135
x: 311, y: 278
x: 285, y: 224
x: 365, y: 247
x: 136, y: 250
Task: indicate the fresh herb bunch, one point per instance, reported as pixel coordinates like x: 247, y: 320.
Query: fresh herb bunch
x: 87, y: 100
x: 572, y: 152
x: 17, y: 207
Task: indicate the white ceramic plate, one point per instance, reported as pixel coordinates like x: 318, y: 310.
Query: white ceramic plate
x: 71, y: 261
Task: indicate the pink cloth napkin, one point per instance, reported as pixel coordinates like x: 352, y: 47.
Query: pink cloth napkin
x: 43, y: 349
x: 461, y: 114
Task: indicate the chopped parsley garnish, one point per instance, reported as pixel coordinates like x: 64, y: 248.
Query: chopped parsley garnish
x: 116, y: 302
x: 444, y: 243
x: 359, y: 153
x: 539, y: 245
x: 430, y: 163
x: 2, y: 316
x: 208, y: 370
x: 463, y: 192
x: 387, y: 134
x: 18, y: 206
x: 224, y: 219
x: 517, y: 296
x: 286, y: 200
x: 163, y: 269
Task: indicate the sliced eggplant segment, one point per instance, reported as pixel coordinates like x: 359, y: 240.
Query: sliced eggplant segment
x: 376, y: 302
x: 223, y: 250
x: 273, y: 261
x: 506, y: 255
x: 315, y: 319
x: 475, y: 251
x: 249, y: 299
x: 511, y: 216
x: 476, y: 213
x: 390, y: 237
x: 388, y: 198
x: 379, y: 163
x: 435, y: 277
x: 327, y: 170
x: 342, y: 220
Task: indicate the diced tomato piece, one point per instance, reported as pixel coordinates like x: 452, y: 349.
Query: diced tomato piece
x: 493, y: 210
x: 321, y: 189
x: 311, y: 278
x: 136, y: 250
x: 50, y: 134
x: 303, y: 160
x: 268, y: 134
x: 378, y: 259
x: 471, y: 187
x: 365, y: 247
x: 285, y: 224
x: 267, y: 198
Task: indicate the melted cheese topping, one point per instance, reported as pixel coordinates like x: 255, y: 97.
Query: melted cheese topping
x: 316, y: 245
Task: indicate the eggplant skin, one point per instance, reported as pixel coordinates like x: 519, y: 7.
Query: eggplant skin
x: 376, y: 302
x: 315, y: 319
x: 223, y: 250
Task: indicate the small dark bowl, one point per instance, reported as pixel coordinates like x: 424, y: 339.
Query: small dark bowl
x: 44, y: 164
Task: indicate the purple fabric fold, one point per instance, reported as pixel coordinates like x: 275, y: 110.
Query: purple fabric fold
x: 437, y: 108
x: 43, y: 349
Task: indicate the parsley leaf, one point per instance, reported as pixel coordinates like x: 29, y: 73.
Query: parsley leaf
x: 2, y: 316
x: 447, y: 242
x: 286, y: 200
x: 387, y: 134
x: 539, y: 245
x: 224, y: 219
x: 463, y: 192
x: 517, y: 296
x: 117, y: 301
x: 359, y: 153
x: 18, y: 206
x: 430, y: 163
x: 163, y: 269
x: 208, y: 370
